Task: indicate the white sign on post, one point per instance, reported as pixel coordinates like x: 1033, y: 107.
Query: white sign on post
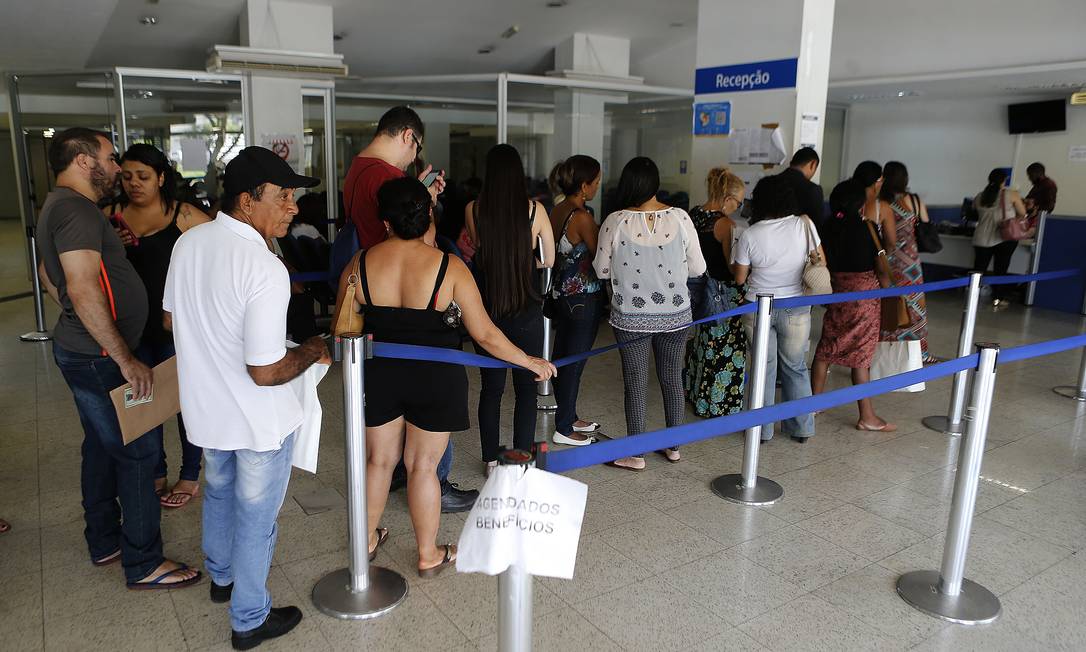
x: 524, y: 517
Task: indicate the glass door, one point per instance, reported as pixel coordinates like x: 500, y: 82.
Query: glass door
x: 319, y: 140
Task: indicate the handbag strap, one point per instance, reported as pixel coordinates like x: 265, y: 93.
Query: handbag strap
x: 884, y: 262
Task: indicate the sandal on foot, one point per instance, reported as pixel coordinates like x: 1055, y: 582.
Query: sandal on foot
x: 633, y: 463
x: 434, y: 571
x: 382, y: 536
x: 886, y: 427
x: 183, y: 498
x: 670, y: 454
x: 112, y: 557
x: 158, y: 583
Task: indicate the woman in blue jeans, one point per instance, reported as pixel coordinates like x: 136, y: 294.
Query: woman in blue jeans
x: 577, y: 294
x: 149, y: 218
x: 769, y: 258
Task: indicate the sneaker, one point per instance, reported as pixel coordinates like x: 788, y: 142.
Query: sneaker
x: 454, y: 499
x: 221, y: 594
x: 279, y: 622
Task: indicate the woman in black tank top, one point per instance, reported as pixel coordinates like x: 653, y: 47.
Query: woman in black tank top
x: 411, y: 293
x: 149, y: 218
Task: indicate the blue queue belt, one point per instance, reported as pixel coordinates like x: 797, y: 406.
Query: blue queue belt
x: 1029, y: 278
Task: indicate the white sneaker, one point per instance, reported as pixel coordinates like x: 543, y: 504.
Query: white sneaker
x: 559, y: 438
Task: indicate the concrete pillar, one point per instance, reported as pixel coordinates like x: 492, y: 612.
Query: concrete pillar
x: 788, y: 42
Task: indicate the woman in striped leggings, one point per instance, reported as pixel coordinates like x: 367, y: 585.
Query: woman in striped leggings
x: 648, y: 251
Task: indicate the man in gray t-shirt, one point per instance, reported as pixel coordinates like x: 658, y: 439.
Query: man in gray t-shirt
x: 103, y: 312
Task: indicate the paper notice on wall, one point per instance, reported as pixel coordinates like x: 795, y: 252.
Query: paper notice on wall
x: 194, y: 154
x: 757, y: 146
x: 1076, y: 153
x: 810, y: 129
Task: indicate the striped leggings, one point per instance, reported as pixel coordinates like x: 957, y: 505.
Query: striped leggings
x: 668, y: 349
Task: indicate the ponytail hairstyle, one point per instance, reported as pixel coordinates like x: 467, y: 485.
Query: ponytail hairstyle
x: 721, y: 183
x: 895, y: 181
x: 405, y: 204
x: 574, y: 173
x: 847, y: 200
x: 867, y: 173
x: 153, y: 158
x: 996, y: 179
x: 504, y: 251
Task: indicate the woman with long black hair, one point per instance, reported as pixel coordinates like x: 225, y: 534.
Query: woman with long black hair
x: 995, y: 204
x: 149, y: 218
x: 649, y: 250
x: 513, y: 238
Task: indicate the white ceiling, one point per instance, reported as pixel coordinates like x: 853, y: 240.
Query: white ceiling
x: 873, y: 39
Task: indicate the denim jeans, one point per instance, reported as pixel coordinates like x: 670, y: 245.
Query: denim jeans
x: 789, y: 339
x: 524, y: 330
x: 120, y: 506
x: 575, y: 326
x: 152, y: 353
x: 244, y: 492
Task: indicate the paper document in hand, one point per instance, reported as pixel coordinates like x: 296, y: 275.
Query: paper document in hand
x: 527, y: 517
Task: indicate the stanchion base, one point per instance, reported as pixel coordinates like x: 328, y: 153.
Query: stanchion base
x: 36, y: 336
x: 1068, y: 391
x: 975, y: 605
x: 941, y: 423
x: 730, y: 488
x: 333, y: 596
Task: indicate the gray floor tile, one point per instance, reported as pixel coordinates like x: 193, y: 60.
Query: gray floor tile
x: 870, y: 594
x: 149, y: 623
x: 801, y: 557
x: 726, y: 522
x: 810, y: 623
x: 599, y: 569
x: 470, y: 601
x: 565, y: 630
x: 860, y: 532
x: 651, y: 615
x: 1048, y: 607
x: 660, y: 542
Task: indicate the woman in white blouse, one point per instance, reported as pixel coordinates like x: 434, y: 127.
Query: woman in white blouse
x: 648, y: 251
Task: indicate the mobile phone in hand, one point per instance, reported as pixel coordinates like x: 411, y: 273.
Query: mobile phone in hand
x: 429, y: 179
x: 119, y: 223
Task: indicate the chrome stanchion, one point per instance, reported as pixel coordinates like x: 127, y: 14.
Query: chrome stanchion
x: 946, y: 593
x: 40, y: 334
x: 544, y: 388
x: 515, y: 586
x: 1035, y: 257
x: 359, y: 591
x: 748, y: 488
x: 1077, y: 393
x: 951, y: 423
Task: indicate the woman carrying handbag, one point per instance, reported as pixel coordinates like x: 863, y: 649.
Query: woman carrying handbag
x: 1001, y: 223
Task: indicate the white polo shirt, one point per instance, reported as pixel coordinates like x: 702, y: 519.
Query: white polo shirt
x: 228, y: 295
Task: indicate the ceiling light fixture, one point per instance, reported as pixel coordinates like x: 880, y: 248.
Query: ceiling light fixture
x: 148, y: 20
x: 677, y: 23
x: 511, y: 31
x: 486, y: 49
x: 555, y: 4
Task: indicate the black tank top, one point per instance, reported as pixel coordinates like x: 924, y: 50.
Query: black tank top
x: 151, y: 258
x: 420, y: 326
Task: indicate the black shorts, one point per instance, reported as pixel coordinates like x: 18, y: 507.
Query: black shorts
x: 429, y: 395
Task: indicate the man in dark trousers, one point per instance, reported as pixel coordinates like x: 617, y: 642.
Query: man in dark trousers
x: 801, y: 169
x: 103, y: 311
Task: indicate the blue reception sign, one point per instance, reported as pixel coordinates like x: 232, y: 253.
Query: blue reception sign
x: 757, y: 76
x: 713, y: 119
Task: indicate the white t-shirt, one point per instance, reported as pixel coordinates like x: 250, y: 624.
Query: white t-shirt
x: 228, y: 295
x: 776, y: 251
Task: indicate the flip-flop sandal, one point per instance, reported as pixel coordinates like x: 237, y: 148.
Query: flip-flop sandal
x: 382, y: 536
x: 624, y: 467
x: 108, y: 559
x: 434, y: 571
x: 185, y: 498
x: 157, y: 583
x: 670, y: 454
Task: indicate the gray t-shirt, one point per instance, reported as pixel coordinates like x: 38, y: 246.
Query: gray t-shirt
x: 71, y: 222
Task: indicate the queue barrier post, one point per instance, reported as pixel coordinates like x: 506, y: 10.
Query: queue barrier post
x: 951, y: 422
x: 515, y: 585
x: 1076, y: 393
x: 748, y: 488
x: 946, y: 593
x: 545, y: 388
x: 40, y: 334
x: 360, y: 591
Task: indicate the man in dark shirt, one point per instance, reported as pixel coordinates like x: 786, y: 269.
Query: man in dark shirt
x: 103, y: 312
x: 395, y: 146
x: 809, y: 198
x: 1042, y: 196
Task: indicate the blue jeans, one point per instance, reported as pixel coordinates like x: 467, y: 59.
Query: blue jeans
x: 244, y: 492
x: 117, y: 480
x: 152, y: 353
x: 789, y: 339
x: 576, y: 322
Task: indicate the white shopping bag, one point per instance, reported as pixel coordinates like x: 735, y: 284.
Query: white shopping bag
x: 893, y: 358
x: 526, y: 517
x: 307, y: 438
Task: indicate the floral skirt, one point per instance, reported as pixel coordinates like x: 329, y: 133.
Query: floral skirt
x: 850, y: 330
x: 716, y: 361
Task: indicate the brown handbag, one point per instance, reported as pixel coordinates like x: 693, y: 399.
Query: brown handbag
x: 894, y: 312
x: 349, y: 320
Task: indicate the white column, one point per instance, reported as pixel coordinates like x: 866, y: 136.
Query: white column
x: 772, y: 31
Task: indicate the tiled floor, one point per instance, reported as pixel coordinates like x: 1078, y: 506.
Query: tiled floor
x: 662, y: 564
